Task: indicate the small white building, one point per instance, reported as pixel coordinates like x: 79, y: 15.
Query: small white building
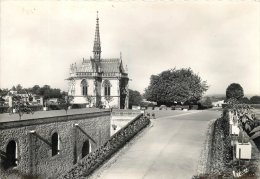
x: 218, y: 103
x: 26, y: 97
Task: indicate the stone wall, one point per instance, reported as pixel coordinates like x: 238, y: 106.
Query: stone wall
x: 93, y: 160
x: 121, y: 117
x: 114, y: 92
x: 125, y: 112
x: 33, y: 139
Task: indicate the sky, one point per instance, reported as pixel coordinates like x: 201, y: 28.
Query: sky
x: 219, y: 40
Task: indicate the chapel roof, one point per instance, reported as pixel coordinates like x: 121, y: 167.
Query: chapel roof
x: 111, y: 65
x: 85, y: 66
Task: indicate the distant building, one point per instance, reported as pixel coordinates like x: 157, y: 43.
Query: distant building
x: 218, y: 103
x: 53, y: 101
x: 97, y: 80
x: 26, y: 97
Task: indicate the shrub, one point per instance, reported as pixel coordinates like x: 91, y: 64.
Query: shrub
x: 54, y: 107
x: 185, y: 107
x: 78, y: 106
x: 35, y: 107
x: 194, y: 107
x: 3, y: 109
x: 255, y: 99
x: 205, y: 103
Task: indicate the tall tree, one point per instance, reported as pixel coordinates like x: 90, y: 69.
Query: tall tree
x: 19, y: 88
x: 255, y: 99
x: 36, y: 89
x: 3, y: 92
x: 180, y: 85
x: 135, y: 98
x: 234, y: 90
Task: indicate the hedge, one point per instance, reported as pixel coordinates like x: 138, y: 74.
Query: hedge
x: 3, y: 109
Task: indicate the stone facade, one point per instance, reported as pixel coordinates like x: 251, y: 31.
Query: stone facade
x: 35, y: 144
x: 98, y: 81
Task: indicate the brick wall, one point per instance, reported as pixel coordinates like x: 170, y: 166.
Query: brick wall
x: 34, y: 142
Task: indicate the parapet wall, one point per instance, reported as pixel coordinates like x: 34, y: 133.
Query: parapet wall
x: 34, y: 143
x: 93, y: 160
x: 125, y: 112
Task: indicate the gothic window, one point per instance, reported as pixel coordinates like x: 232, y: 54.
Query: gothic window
x: 55, y: 144
x: 107, y: 87
x: 86, y: 148
x: 84, y: 87
x: 11, y: 154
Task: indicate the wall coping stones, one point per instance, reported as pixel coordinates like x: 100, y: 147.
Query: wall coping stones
x: 125, y: 112
x: 46, y: 120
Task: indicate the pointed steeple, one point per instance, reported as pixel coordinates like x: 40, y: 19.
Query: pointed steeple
x: 97, y: 45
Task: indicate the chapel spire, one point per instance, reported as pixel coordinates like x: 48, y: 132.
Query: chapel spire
x: 97, y: 45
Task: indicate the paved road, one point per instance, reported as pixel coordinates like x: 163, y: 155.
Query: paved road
x: 170, y: 148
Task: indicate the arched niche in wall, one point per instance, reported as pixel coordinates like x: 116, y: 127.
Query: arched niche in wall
x: 86, y: 148
x: 55, y: 144
x: 11, y: 155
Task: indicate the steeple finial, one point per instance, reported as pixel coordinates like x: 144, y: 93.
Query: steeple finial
x: 97, y: 45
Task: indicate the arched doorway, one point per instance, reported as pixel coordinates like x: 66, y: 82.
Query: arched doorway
x: 11, y: 154
x: 86, y: 148
x: 55, y: 144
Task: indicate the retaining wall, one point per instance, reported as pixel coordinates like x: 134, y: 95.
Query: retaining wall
x: 92, y: 161
x: 33, y: 139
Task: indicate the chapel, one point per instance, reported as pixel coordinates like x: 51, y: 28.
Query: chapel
x: 99, y: 81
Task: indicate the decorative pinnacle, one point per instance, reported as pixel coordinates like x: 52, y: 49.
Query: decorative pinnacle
x: 97, y: 45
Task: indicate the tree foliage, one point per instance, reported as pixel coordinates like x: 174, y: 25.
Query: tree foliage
x: 244, y: 100
x: 234, y: 90
x: 205, y: 103
x: 65, y: 101
x: 255, y: 99
x: 180, y: 85
x: 46, y: 91
x: 3, y: 92
x: 135, y: 98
